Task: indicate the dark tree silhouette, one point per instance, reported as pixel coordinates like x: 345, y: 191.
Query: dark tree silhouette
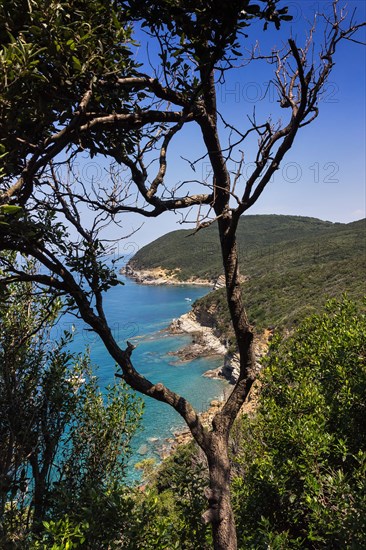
x: 88, y: 94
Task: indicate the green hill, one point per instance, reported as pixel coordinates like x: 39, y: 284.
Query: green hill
x: 293, y: 263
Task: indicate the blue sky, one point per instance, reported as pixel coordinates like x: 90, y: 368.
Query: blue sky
x: 324, y: 174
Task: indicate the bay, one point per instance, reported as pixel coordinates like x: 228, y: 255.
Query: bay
x: 141, y: 314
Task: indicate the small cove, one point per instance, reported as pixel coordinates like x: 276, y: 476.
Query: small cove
x: 141, y: 314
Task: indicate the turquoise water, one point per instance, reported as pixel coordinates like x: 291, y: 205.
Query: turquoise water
x: 141, y: 314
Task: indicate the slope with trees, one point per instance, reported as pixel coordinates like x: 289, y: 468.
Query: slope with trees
x: 310, y: 261
x: 282, y: 241
x: 300, y: 462
x: 103, y: 103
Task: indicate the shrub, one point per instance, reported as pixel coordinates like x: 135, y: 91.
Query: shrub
x: 300, y: 470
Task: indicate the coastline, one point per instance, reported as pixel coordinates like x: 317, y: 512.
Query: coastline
x: 204, y: 343
x: 160, y: 276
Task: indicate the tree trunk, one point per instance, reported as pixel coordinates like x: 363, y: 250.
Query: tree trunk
x: 38, y: 502
x: 38, y: 494
x: 220, y: 513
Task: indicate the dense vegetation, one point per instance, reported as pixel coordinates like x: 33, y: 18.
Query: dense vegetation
x: 64, y: 442
x: 300, y: 466
x: 293, y: 265
x: 298, y: 463
x: 266, y: 242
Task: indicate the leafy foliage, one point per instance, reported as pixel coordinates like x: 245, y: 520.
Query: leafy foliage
x: 182, y: 478
x: 51, y: 53
x: 61, y: 535
x: 204, y: 31
x: 167, y: 514
x: 299, y: 474
x: 60, y: 437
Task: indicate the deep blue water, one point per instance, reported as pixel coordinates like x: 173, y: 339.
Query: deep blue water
x: 140, y: 314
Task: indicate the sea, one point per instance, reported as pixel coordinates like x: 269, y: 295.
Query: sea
x: 141, y: 314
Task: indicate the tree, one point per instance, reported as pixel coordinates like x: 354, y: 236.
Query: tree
x: 128, y: 116
x: 60, y: 436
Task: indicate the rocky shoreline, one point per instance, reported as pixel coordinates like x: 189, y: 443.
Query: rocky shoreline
x: 206, y: 343
x: 160, y: 276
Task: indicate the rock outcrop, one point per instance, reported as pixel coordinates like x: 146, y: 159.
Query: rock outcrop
x: 160, y: 276
x: 206, y: 342
x: 203, y: 336
x: 200, y: 324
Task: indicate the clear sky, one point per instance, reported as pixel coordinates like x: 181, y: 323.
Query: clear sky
x: 324, y: 174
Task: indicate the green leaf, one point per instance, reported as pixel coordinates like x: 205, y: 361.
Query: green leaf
x: 77, y: 63
x: 11, y: 209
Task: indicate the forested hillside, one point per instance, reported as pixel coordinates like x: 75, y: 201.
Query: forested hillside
x: 292, y: 264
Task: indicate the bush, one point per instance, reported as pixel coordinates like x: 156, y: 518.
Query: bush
x: 300, y: 471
